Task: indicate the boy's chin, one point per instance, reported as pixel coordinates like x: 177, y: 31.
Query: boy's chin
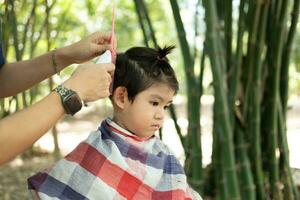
x: 147, y: 135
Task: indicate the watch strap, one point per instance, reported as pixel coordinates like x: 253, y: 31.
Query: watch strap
x: 65, y: 95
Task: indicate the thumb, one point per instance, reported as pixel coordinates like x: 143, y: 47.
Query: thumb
x: 109, y: 67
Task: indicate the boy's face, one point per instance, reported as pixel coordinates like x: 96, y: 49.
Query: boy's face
x: 145, y: 115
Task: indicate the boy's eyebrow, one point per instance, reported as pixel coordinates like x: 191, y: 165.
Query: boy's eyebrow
x: 159, y: 97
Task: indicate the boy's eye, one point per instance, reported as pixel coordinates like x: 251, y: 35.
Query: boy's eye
x: 154, y: 103
x: 165, y: 107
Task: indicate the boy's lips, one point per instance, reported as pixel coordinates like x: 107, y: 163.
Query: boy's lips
x: 156, y: 126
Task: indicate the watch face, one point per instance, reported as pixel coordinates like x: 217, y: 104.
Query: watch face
x: 73, y: 103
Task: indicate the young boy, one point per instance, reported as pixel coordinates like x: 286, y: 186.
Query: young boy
x: 123, y: 159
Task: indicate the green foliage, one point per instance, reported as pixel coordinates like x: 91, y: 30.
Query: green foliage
x: 296, y: 51
x: 245, y: 52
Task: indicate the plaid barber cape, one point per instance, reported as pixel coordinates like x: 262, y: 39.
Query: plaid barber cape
x: 114, y: 164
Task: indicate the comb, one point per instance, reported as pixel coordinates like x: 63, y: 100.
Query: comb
x: 109, y: 56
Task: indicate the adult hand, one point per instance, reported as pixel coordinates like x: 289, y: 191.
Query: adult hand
x: 91, y: 81
x: 88, y: 48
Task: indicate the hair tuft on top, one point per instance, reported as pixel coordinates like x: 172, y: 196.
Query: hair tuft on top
x: 163, y: 52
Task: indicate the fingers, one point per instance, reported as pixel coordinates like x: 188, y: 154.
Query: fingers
x: 91, y: 81
x: 101, y: 41
x: 109, y: 78
x: 99, y: 49
x: 110, y: 68
x: 104, y: 35
x: 101, y: 37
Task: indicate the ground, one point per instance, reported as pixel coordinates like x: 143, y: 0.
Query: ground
x: 14, y: 174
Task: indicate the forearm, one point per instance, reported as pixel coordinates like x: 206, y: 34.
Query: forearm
x: 19, y: 76
x: 22, y: 129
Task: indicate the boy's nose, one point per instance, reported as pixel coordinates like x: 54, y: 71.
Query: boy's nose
x: 159, y: 114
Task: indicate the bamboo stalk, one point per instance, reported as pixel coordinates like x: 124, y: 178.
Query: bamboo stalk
x: 35, y: 42
x: 291, y: 191
x: 26, y: 27
x: 217, y: 161
x: 14, y: 30
x: 278, y: 5
x: 274, y: 61
x: 228, y: 34
x: 233, y: 83
x: 220, y: 98
x: 250, y: 54
x: 138, y: 9
x: 5, y: 32
x: 196, y: 27
x: 283, y: 160
x: 246, y: 178
x: 284, y: 83
x: 151, y: 30
x: 177, y: 127
x: 193, y: 144
x: 255, y: 97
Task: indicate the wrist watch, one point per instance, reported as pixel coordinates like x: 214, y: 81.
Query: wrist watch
x: 70, y: 99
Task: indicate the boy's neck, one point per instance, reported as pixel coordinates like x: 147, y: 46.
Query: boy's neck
x: 118, y: 120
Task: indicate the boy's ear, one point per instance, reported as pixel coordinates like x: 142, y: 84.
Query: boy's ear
x: 120, y: 96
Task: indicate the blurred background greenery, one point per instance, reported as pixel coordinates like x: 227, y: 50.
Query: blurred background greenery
x: 226, y: 60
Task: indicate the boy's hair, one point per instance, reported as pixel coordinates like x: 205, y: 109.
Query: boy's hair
x: 140, y: 67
